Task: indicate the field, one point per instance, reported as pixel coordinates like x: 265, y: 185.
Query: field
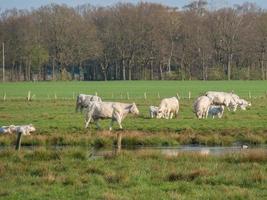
x: 52, y: 112
x: 58, y: 164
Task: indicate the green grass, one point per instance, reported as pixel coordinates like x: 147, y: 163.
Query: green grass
x: 45, y: 172
x: 57, y: 122
x: 70, y: 173
x: 136, y: 89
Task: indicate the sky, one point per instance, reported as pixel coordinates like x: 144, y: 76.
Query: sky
x: 28, y: 4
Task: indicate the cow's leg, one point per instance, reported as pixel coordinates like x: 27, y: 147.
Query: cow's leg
x: 119, y: 119
x: 97, y: 124
x: 87, y: 121
x: 171, y: 115
x: 111, y: 124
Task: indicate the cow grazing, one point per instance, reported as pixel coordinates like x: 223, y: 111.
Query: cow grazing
x: 244, y: 104
x: 6, y: 129
x: 201, y: 107
x: 24, y: 129
x: 230, y: 100
x: 216, y: 111
x: 109, y: 110
x: 83, y: 101
x: 153, y: 111
x: 168, y: 107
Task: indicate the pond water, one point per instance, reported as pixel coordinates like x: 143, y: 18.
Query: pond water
x: 94, y: 153
x: 174, y: 151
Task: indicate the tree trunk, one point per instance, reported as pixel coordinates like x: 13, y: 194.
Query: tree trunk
x: 262, y: 66
x: 151, y: 70
x: 229, y: 62
x: 170, y: 58
x: 53, y: 69
x: 123, y: 70
x: 248, y: 72
x: 160, y: 72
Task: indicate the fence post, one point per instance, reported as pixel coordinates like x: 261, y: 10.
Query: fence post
x: 128, y: 97
x: 178, y: 97
x: 121, y: 95
x: 249, y: 94
x: 158, y: 96
x: 95, y: 93
x: 73, y: 95
x: 119, y: 137
x: 189, y: 95
x: 29, y: 96
x: 4, y: 96
x: 145, y: 95
x: 18, y: 142
x: 55, y: 96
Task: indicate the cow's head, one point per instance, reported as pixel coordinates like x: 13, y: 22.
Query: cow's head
x: 134, y: 109
x: 31, y: 128
x: 160, y: 113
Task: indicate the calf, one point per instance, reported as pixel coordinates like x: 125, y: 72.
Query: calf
x: 216, y: 111
x: 153, y: 110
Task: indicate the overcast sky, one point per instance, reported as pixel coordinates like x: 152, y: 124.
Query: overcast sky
x: 27, y: 4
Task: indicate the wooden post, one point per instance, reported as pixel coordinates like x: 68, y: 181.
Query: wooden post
x: 128, y: 97
x: 73, y: 95
x: 4, y: 98
x: 55, y: 96
x: 177, y: 95
x: 145, y: 95
x: 249, y: 94
x: 29, y: 96
x: 18, y: 142
x: 158, y: 96
x: 119, y: 137
x: 95, y: 93
x: 189, y: 95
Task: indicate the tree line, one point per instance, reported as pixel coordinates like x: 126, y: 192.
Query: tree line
x: 144, y: 41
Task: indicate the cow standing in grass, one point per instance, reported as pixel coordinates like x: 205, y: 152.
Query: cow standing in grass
x: 201, y: 107
x: 168, y: 108
x: 230, y: 100
x: 109, y: 110
x: 83, y: 100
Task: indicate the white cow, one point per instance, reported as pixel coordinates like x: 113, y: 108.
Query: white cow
x: 153, y: 111
x: 83, y: 101
x: 201, y: 107
x: 244, y: 104
x: 168, y: 107
x: 24, y: 129
x: 230, y: 100
x: 113, y: 110
x: 6, y: 129
x: 216, y: 111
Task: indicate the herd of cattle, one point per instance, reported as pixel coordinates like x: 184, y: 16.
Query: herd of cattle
x: 210, y: 104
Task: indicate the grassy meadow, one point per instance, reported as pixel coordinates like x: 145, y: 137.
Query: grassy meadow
x: 53, y: 105
x: 70, y: 173
x: 59, y: 163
